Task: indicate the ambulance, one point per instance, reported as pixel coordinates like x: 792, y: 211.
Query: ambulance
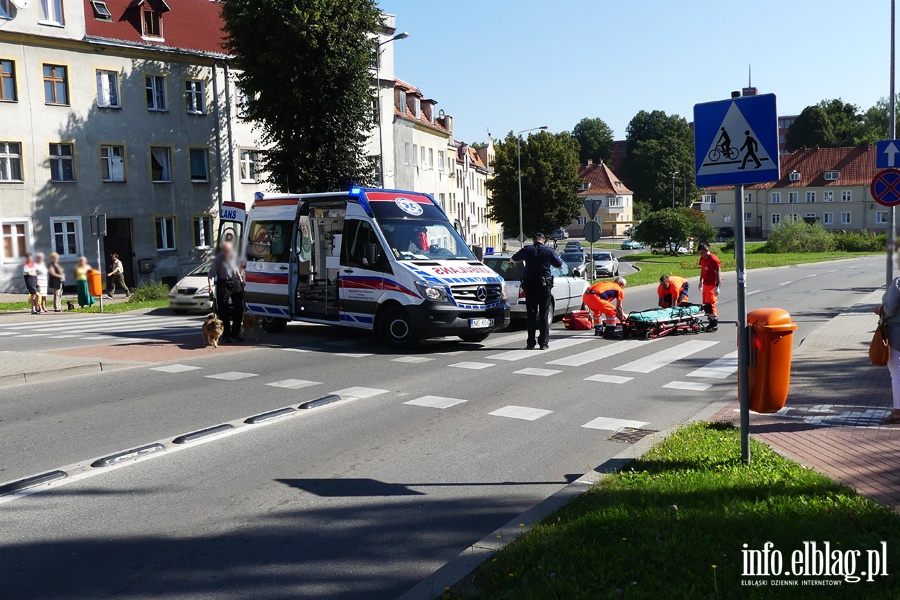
x: 380, y: 260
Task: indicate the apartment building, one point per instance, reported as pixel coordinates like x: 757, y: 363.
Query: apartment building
x: 124, y: 107
x: 825, y: 185
x: 598, y: 182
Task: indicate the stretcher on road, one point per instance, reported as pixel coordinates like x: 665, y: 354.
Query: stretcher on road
x: 657, y: 322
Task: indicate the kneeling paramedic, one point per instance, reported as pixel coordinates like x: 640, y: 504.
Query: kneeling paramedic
x: 538, y: 285
x: 672, y: 291
x: 605, y: 298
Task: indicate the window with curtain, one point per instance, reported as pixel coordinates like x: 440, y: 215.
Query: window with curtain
x: 160, y: 164
x: 108, y: 89
x: 112, y: 163
x: 165, y: 234
x: 194, y: 97
x: 15, y: 242
x: 52, y: 12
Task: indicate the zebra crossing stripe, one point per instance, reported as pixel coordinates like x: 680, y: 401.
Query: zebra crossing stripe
x: 609, y: 424
x: 578, y: 360
x: 648, y: 364
x: 718, y: 369
x: 514, y: 355
x: 691, y: 386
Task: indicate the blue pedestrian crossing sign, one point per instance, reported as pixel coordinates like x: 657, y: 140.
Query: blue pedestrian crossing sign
x: 736, y: 141
x: 886, y: 157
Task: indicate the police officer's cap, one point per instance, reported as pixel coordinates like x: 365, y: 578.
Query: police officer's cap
x: 540, y: 236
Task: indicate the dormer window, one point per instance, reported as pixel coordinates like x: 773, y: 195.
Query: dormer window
x: 832, y: 175
x: 417, y: 108
x: 152, y: 23
x: 585, y: 186
x: 402, y: 102
x: 618, y: 185
x: 794, y: 176
x: 101, y: 10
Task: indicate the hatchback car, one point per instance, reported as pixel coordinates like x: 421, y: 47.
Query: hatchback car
x: 573, y: 246
x: 576, y: 260
x: 603, y: 264
x: 632, y: 245
x: 560, y: 234
x: 192, y: 292
x: 565, y: 296
x: 671, y: 249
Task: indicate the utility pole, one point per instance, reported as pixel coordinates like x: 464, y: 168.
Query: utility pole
x: 892, y: 213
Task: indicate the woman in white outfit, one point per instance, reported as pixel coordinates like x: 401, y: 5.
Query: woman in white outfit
x: 890, y: 312
x: 40, y: 268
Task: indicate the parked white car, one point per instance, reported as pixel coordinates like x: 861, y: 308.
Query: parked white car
x: 192, y: 292
x: 603, y: 264
x: 567, y: 290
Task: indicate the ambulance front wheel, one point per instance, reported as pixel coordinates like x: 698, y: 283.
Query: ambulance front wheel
x: 397, y: 328
x: 273, y: 325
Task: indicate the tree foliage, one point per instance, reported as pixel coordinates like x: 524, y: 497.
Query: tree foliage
x: 828, y: 124
x: 660, y: 145
x: 596, y: 139
x: 674, y: 226
x: 876, y: 121
x: 811, y: 129
x: 305, y: 70
x: 550, y: 183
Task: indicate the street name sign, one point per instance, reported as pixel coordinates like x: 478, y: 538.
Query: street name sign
x: 736, y: 141
x: 886, y: 156
x: 886, y: 187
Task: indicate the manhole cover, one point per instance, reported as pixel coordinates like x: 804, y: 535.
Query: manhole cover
x: 630, y: 435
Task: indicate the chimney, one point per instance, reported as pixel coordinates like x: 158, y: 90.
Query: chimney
x: 590, y: 162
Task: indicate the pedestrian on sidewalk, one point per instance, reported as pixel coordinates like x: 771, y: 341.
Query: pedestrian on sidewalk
x: 81, y: 283
x: 710, y: 281
x: 890, y: 314
x: 227, y: 286
x: 56, y: 279
x: 116, y: 277
x: 538, y: 285
x: 40, y: 268
x: 31, y: 283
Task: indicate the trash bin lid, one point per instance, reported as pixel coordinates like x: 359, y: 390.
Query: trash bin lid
x: 771, y: 318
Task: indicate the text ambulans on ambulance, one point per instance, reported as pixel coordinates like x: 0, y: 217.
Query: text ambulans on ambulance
x: 387, y: 261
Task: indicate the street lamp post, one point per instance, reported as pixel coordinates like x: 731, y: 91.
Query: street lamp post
x: 674, y: 173
x: 519, y: 157
x: 399, y: 36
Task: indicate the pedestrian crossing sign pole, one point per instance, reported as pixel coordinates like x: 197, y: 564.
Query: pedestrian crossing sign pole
x: 736, y: 143
x: 98, y: 230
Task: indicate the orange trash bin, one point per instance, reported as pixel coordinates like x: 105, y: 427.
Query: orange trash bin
x: 95, y: 283
x: 771, y: 344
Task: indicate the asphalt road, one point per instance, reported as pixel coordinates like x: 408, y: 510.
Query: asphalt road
x: 430, y: 451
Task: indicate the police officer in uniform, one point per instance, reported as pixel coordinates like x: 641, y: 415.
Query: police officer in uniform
x: 538, y: 285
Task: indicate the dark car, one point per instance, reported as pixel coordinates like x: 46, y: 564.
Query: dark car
x: 726, y: 233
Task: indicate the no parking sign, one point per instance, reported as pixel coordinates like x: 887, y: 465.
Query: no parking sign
x: 886, y: 187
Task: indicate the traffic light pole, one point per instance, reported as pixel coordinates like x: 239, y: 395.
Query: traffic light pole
x: 743, y: 332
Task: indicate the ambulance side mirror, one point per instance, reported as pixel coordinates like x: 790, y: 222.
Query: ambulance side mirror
x: 370, y: 256
x: 478, y: 251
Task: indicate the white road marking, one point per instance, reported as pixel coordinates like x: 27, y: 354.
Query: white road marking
x: 294, y: 384
x: 609, y: 378
x: 537, y: 372
x: 8, y: 333
x: 813, y: 275
x: 350, y: 354
x: 786, y: 283
x: 435, y: 402
x: 514, y: 355
x: 722, y: 368
x: 298, y: 349
x: 476, y: 366
x: 691, y: 386
x: 753, y: 292
x: 232, y: 376
x: 359, y: 392
x: 96, y: 338
x: 32, y: 335
x: 175, y: 368
x: 521, y: 412
x: 648, y: 364
x: 577, y: 360
x: 608, y: 424
x: 412, y: 359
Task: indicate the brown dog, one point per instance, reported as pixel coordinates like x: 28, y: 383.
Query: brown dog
x: 251, y: 325
x: 212, y: 330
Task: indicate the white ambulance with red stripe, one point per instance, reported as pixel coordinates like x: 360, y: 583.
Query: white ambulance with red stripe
x: 382, y: 260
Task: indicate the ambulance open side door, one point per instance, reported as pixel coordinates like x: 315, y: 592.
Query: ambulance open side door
x: 232, y: 220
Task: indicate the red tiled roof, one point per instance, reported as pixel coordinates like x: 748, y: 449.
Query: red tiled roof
x: 406, y: 113
x: 194, y: 25
x: 602, y: 180
x: 856, y: 165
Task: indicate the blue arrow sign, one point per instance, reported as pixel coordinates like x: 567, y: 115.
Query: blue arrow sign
x: 736, y: 141
x: 887, y: 155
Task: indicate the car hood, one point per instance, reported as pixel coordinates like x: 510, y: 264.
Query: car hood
x: 450, y: 272
x: 196, y: 281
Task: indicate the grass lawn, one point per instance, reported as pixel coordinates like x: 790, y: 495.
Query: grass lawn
x: 653, y: 267
x: 107, y: 307
x: 673, y: 525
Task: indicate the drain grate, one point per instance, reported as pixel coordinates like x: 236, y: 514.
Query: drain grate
x: 630, y: 435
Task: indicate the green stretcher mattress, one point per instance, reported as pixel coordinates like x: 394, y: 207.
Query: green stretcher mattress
x: 662, y: 315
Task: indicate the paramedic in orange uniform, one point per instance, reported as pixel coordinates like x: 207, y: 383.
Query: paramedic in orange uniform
x: 710, y: 280
x: 600, y: 299
x: 672, y: 291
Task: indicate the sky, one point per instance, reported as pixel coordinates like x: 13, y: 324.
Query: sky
x: 507, y: 65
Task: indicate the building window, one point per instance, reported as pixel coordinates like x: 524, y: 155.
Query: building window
x: 199, y: 158
x: 194, y: 96
x: 431, y: 158
x: 810, y: 197
x: 423, y: 162
x: 415, y: 155
x: 152, y: 23
x: 10, y: 161
x: 828, y: 218
x: 726, y: 217
x: 401, y: 102
x: 5, y: 10
x: 776, y: 218
x: 165, y: 234
x: 242, y: 102
x: 845, y: 218
x: 832, y: 175
x: 101, y: 10
x: 160, y: 164
x: 56, y: 86
x: 793, y: 197
x: 615, y: 202
x: 8, y: 91
x: 15, y: 240
x: 66, y: 232
x: 52, y: 12
x: 62, y: 162
x: 203, y: 236
x: 249, y: 166
x: 827, y: 196
x: 156, y: 92
x: 776, y: 197
x: 108, y: 89
x: 794, y: 217
x: 406, y: 154
x: 582, y: 220
x: 708, y: 199
x: 810, y: 216
x: 881, y: 217
x: 440, y: 159
x: 748, y: 217
x: 112, y: 163
x: 847, y: 196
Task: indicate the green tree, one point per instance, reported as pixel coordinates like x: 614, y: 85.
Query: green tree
x: 811, y: 129
x: 549, y: 182
x: 876, y: 121
x: 660, y: 145
x: 846, y: 121
x: 596, y: 139
x: 309, y: 85
x: 674, y: 226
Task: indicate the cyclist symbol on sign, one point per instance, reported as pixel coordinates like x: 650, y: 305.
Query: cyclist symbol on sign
x: 724, y: 149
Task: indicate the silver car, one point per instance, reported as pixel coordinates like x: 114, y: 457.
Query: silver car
x: 576, y: 260
x: 567, y: 290
x: 603, y: 264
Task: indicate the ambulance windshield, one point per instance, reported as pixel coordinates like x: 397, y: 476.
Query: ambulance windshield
x: 424, y: 239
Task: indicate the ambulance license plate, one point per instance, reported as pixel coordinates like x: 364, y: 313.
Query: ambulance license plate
x: 480, y: 323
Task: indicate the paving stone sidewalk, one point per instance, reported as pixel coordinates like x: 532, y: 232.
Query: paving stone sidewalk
x: 832, y: 420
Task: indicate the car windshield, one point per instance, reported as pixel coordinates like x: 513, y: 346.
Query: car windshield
x: 602, y: 256
x: 201, y: 270
x: 508, y: 270
x: 572, y: 256
x: 423, y: 239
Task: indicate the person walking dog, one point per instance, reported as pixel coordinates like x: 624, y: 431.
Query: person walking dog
x: 538, y: 285
x: 226, y: 284
x: 116, y: 277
